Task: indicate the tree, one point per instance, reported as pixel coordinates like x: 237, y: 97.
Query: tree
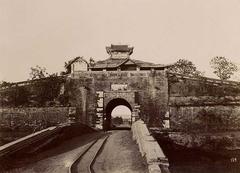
x: 91, y: 62
x: 185, y: 67
x: 38, y: 72
x: 117, y: 120
x: 4, y: 84
x: 223, y: 68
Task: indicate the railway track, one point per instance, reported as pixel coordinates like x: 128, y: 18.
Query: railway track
x: 84, y: 163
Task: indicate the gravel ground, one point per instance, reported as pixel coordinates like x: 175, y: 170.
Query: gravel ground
x: 120, y: 155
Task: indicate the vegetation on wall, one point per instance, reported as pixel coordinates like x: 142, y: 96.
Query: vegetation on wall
x: 215, y: 118
x: 44, y: 92
x: 180, y: 86
x: 223, y: 67
x: 185, y: 67
x: 5, y: 84
x: 43, y: 89
x: 16, y: 96
x: 38, y: 73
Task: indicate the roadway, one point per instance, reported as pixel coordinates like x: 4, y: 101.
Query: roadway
x: 118, y: 153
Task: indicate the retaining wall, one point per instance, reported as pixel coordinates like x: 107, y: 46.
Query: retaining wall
x: 205, y: 118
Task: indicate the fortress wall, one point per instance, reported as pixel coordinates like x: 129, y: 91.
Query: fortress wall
x: 203, y: 105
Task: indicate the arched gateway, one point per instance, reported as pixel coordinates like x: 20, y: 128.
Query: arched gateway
x: 109, y: 108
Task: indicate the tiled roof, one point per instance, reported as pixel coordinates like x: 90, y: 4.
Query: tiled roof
x: 114, y: 63
x: 119, y: 48
x: 108, y: 63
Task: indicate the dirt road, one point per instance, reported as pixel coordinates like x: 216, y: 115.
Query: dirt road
x: 120, y: 155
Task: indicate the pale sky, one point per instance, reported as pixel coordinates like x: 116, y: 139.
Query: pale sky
x: 49, y: 32
x: 121, y: 111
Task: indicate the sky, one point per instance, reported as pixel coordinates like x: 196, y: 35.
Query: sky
x: 121, y: 111
x: 50, y: 32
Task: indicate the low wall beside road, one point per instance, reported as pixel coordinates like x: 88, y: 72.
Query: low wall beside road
x: 149, y: 148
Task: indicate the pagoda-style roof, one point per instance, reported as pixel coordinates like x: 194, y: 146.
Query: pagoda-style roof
x: 119, y: 59
x: 119, y: 48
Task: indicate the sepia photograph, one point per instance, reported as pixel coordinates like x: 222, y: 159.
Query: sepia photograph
x: 119, y: 86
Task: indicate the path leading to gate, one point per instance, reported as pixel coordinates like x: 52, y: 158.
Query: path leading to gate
x: 120, y: 155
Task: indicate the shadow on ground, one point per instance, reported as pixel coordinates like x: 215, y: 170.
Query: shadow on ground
x: 69, y: 138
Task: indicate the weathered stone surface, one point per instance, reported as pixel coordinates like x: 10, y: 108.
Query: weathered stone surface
x: 32, y: 118
x: 149, y: 147
x: 149, y: 89
x: 203, y: 104
x: 161, y: 96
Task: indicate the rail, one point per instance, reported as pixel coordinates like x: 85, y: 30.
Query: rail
x: 24, y: 142
x: 29, y: 82
x: 73, y: 166
x: 204, y: 79
x: 96, y: 155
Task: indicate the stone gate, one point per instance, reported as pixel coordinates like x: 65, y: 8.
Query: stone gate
x: 118, y: 80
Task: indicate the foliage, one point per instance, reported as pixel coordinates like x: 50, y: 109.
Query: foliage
x: 38, y: 73
x: 67, y: 68
x: 210, y: 120
x: 5, y: 84
x: 91, y: 61
x: 223, y: 68
x: 117, y: 120
x: 155, y: 112
x: 47, y: 90
x: 44, y: 92
x: 16, y: 96
x: 185, y: 67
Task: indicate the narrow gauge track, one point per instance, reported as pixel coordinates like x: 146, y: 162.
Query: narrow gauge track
x: 84, y: 163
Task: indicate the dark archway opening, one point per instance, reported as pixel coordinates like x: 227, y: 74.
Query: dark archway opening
x: 108, y: 123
